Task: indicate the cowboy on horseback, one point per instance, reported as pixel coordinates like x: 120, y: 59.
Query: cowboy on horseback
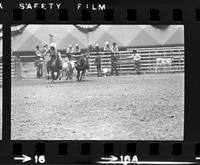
x: 55, y: 62
x: 53, y: 53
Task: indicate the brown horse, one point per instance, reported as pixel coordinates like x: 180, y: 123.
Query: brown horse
x: 55, y: 65
x: 81, y: 66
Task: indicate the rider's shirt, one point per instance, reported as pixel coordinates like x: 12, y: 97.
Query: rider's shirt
x: 90, y: 48
x: 137, y: 57
x: 38, y: 53
x: 52, y: 53
x: 77, y: 51
x: 114, y: 49
x: 70, y: 50
x: 107, y: 48
x: 45, y: 50
x: 97, y: 49
x: 39, y: 57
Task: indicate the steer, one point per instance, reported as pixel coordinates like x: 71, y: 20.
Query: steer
x: 161, y: 63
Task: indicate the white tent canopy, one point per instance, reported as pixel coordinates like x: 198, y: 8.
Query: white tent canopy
x: 123, y: 35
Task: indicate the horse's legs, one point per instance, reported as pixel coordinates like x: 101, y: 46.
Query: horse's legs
x: 78, y: 75
x: 47, y: 73
x: 52, y: 76
x: 58, y: 74
x: 67, y: 75
x: 82, y: 74
x: 61, y: 75
x: 41, y: 70
x: 72, y: 73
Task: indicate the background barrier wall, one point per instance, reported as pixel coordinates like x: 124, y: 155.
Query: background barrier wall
x: 23, y: 62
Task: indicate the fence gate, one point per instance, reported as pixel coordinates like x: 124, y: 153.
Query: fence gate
x: 15, y: 67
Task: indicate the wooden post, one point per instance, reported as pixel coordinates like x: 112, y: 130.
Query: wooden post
x: 18, y: 67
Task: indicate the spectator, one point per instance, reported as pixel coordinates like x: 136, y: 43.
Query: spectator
x: 114, y: 48
x: 90, y: 48
x: 39, y: 62
x: 98, y: 60
x: 137, y: 59
x: 98, y: 64
x: 77, y: 50
x: 114, y: 59
x: 97, y: 49
x: 70, y: 52
x: 107, y: 47
x: 46, y: 58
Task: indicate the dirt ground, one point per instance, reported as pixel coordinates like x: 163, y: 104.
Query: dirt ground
x: 1, y: 109
x: 133, y: 107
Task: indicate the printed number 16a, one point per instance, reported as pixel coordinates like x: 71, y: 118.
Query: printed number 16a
x: 40, y: 159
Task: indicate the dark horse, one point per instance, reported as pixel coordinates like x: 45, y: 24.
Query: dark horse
x: 81, y: 66
x: 55, y: 65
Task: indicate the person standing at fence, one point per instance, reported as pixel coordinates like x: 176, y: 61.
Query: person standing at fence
x: 137, y: 59
x: 70, y: 52
x: 77, y: 52
x: 114, y: 59
x: 107, y: 47
x: 97, y: 60
x: 39, y: 62
x: 90, y: 48
x: 46, y: 58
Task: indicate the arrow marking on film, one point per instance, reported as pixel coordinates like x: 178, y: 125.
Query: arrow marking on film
x: 24, y: 158
x: 111, y: 158
x: 146, y: 162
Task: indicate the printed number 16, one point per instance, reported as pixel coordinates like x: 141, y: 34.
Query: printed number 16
x: 40, y: 159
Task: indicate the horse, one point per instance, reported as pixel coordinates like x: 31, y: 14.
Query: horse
x: 81, y: 66
x: 55, y: 66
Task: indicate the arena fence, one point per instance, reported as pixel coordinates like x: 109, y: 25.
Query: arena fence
x: 153, y: 60
x: 15, y: 67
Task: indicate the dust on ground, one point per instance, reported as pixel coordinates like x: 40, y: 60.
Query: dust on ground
x: 133, y: 107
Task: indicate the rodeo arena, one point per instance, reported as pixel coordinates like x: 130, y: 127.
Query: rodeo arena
x: 1, y: 76
x: 97, y: 82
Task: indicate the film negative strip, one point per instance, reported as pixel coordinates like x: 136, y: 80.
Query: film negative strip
x: 99, y: 82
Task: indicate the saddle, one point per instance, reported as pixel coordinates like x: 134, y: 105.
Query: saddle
x: 56, y: 63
